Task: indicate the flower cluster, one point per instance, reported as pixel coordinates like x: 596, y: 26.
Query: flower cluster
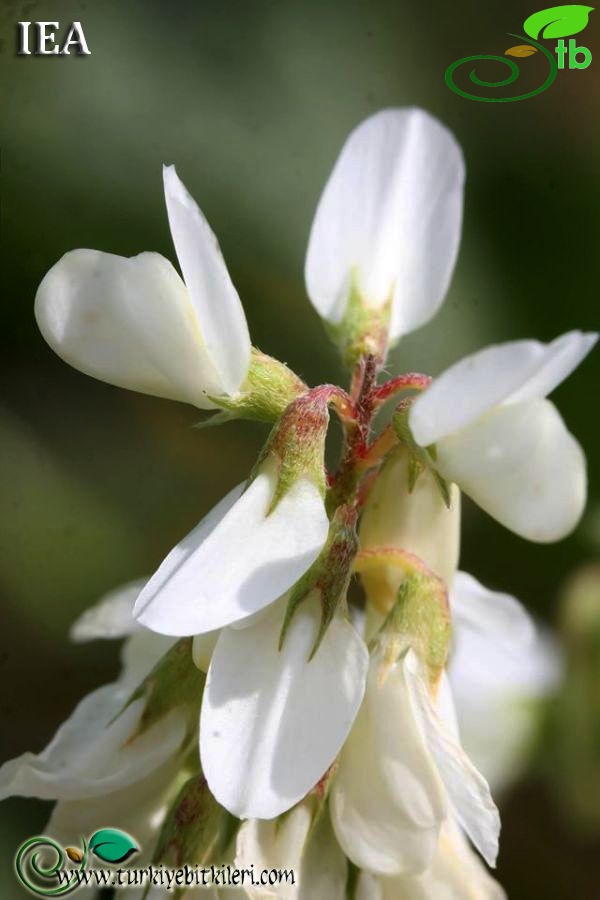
x: 331, y: 734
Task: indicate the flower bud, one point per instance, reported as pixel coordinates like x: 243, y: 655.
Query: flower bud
x: 416, y: 521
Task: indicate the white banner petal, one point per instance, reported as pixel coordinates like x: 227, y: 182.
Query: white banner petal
x: 390, y: 215
x: 212, y: 293
x: 272, y: 721
x: 127, y: 321
x: 522, y: 466
x: 387, y: 801
x: 503, y: 373
x: 240, y: 558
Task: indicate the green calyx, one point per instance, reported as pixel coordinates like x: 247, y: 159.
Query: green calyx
x: 174, y: 681
x: 363, y: 330
x: 329, y: 576
x: 420, y: 618
x: 269, y: 388
x: 297, y: 444
x: 420, y: 458
x: 197, y: 830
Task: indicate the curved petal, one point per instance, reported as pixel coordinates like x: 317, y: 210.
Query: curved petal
x: 272, y: 721
x: 387, y: 801
x: 127, y: 321
x: 212, y: 293
x: 91, y: 754
x: 389, y: 216
x: 522, y: 466
x: 503, y: 373
x: 111, y: 617
x: 499, y: 667
x: 467, y: 789
x: 239, y: 559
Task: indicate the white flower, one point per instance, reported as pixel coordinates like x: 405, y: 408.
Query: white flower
x: 298, y: 842
x: 456, y: 873
x: 89, y: 767
x: 134, y: 323
x: 240, y: 558
x: 273, y: 721
x: 504, y: 444
x: 403, y: 774
x: 501, y: 667
x: 389, y: 221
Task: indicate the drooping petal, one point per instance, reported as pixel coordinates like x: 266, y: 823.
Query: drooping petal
x: 89, y: 755
x: 522, y: 466
x: 138, y: 809
x: 111, y: 617
x: 467, y: 789
x: 503, y: 373
x: 239, y: 558
x: 455, y: 874
x: 501, y: 666
x: 272, y: 721
x: 418, y: 522
x: 127, y: 321
x: 387, y: 801
x: 390, y: 217
x: 211, y: 291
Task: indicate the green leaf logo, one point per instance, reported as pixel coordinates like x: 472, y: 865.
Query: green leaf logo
x: 558, y: 21
x: 111, y: 845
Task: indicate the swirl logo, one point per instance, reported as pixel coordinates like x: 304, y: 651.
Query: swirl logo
x: 556, y: 22
x: 49, y: 870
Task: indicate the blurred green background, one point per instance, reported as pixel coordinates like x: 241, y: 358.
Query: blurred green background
x: 252, y: 101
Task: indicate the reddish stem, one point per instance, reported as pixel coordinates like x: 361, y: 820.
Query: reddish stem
x: 413, y: 381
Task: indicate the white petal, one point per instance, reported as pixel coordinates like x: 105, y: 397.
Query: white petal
x: 89, y: 755
x: 129, y: 322
x: 211, y: 291
x: 295, y: 842
x: 274, y: 844
x: 522, y: 466
x: 418, y: 522
x: 503, y: 373
x: 237, y: 560
x: 496, y: 617
x: 203, y: 647
x: 139, y: 654
x: 387, y: 801
x: 390, y: 215
x: 467, y: 789
x: 455, y: 874
x: 500, y: 666
x: 272, y: 722
x: 138, y: 809
x: 111, y: 616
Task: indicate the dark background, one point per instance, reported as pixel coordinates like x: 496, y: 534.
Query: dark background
x: 252, y: 101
